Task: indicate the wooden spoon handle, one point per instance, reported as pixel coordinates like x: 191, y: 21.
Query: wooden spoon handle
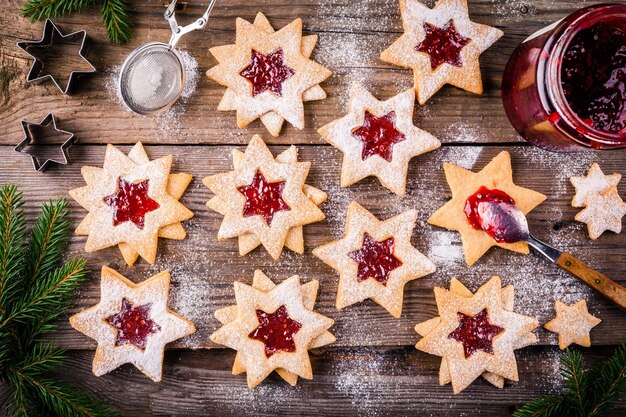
x: 599, y: 282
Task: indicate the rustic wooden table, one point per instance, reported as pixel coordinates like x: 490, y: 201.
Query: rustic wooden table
x: 373, y: 368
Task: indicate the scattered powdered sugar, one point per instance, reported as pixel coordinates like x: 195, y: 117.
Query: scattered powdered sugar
x: 462, y: 132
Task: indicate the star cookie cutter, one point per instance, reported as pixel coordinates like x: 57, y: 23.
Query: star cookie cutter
x: 32, y: 142
x: 52, y: 34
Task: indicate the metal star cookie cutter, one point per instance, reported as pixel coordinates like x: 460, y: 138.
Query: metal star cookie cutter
x: 52, y: 34
x: 32, y: 143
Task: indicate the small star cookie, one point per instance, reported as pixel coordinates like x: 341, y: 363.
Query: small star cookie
x: 375, y: 259
x: 263, y: 197
x: 263, y: 283
x: 378, y: 138
x: 131, y: 323
x: 271, y: 120
x: 497, y: 175
x: 268, y: 72
x: 441, y: 45
x: 272, y: 327
x: 594, y: 183
x: 131, y: 202
x: 572, y: 323
x: 476, y: 334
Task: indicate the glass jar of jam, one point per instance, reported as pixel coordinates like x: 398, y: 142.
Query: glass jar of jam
x: 565, y: 86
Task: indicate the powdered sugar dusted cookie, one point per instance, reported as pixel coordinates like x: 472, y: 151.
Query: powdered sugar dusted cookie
x: 375, y: 259
x: 132, y: 201
x: 268, y: 72
x: 572, y: 323
x: 441, y: 45
x: 603, y: 212
x: 131, y: 323
x: 263, y: 283
x: 272, y: 328
x: 378, y: 138
x: 263, y: 197
x: 494, y: 181
x: 476, y: 333
x: 594, y: 183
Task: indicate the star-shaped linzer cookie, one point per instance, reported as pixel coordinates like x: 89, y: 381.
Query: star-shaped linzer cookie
x: 475, y: 334
x: 378, y: 138
x: 441, y: 45
x: 131, y: 323
x: 132, y: 201
x: 375, y: 259
x: 572, y: 323
x: 272, y: 327
x: 273, y: 214
x: 34, y: 143
x: 268, y: 74
x: 603, y: 212
x: 497, y: 175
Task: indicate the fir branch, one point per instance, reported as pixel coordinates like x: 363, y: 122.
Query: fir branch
x: 608, y: 382
x: 547, y: 406
x: 116, y: 20
x: 576, y: 381
x: 51, y: 9
x: 115, y: 14
x: 12, y: 232
x: 49, y: 239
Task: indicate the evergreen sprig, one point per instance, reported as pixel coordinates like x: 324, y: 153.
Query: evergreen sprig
x: 115, y: 14
x: 586, y: 393
x: 35, y: 289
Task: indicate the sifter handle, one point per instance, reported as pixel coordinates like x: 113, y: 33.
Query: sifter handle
x: 177, y: 30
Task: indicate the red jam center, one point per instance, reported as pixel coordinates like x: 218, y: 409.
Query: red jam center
x: 443, y: 45
x: 263, y: 198
x: 131, y: 202
x: 593, y: 76
x: 133, y: 324
x: 476, y: 333
x: 376, y: 259
x: 378, y: 135
x: 267, y: 72
x: 494, y: 228
x: 276, y: 331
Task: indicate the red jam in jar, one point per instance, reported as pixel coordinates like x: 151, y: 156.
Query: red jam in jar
x: 565, y: 86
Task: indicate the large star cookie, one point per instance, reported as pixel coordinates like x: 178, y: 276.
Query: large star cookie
x: 295, y: 237
x: 131, y: 323
x: 375, y: 259
x: 572, y: 323
x: 264, y: 197
x: 378, y: 138
x: 231, y: 101
x: 476, y: 334
x: 497, y: 175
x: 131, y: 202
x: 441, y: 45
x: 268, y: 72
x: 263, y: 283
x: 272, y: 327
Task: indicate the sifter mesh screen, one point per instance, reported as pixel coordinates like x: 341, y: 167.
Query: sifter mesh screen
x: 152, y: 79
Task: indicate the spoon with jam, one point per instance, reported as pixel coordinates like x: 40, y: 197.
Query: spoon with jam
x: 505, y: 223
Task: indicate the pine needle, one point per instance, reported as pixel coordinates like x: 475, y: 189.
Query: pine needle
x: 608, y: 382
x: 12, y: 232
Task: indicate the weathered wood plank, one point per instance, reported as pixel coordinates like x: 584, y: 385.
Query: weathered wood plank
x: 352, y: 35
x: 354, y: 382
x: 203, y: 280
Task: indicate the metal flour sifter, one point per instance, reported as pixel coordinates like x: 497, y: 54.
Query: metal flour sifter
x: 153, y: 76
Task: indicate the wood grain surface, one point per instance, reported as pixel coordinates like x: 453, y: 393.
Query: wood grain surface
x: 373, y: 368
